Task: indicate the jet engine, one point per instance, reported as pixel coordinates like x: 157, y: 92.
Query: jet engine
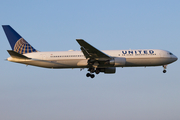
x: 109, y: 70
x: 118, y: 61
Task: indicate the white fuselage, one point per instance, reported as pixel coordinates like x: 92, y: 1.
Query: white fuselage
x: 76, y: 59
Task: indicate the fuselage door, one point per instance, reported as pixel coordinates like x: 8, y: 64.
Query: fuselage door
x: 162, y: 54
x: 43, y: 56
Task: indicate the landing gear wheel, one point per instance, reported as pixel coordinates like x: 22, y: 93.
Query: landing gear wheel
x: 97, y: 71
x: 88, y: 74
x: 164, y: 71
x: 92, y: 75
x: 92, y: 70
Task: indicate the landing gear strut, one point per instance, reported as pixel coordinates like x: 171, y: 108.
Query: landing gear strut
x: 164, y: 66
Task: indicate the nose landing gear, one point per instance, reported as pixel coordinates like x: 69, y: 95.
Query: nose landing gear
x: 164, y: 66
x: 164, y: 71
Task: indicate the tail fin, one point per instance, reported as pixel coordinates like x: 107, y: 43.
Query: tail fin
x: 17, y: 43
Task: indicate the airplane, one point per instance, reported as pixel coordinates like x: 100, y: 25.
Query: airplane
x: 89, y: 57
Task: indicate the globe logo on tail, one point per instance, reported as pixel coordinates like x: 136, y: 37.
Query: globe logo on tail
x: 23, y: 47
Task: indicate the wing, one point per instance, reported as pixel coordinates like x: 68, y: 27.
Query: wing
x: 91, y: 52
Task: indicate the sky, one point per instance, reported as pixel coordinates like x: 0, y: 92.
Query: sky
x: 28, y: 92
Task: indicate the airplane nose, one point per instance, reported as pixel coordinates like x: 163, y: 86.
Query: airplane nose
x: 175, y: 58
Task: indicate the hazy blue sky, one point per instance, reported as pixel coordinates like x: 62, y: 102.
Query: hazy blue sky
x: 32, y: 93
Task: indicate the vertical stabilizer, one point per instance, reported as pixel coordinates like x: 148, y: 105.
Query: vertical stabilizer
x: 17, y: 43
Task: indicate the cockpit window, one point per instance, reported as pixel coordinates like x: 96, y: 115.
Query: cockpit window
x: 170, y: 53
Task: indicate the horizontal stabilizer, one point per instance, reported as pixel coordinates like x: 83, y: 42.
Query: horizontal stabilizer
x: 17, y: 55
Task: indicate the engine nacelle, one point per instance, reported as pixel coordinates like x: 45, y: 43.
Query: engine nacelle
x: 109, y: 70
x: 118, y: 61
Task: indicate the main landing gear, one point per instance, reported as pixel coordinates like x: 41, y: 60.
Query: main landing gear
x: 164, y: 66
x: 92, y: 70
x: 90, y: 75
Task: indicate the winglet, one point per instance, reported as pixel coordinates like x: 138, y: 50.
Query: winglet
x: 17, y: 43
